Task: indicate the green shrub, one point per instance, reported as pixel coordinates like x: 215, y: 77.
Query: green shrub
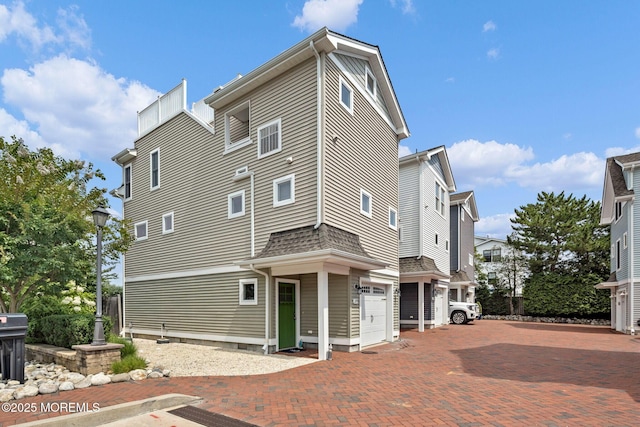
x: 129, y: 348
x: 128, y: 363
x: 67, y: 330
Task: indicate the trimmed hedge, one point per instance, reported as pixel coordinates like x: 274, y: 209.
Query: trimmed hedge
x: 67, y: 330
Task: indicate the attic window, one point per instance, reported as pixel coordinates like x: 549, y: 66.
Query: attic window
x: 236, y: 127
x: 370, y: 82
x: 618, y: 210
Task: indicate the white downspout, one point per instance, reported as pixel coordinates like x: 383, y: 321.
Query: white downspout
x: 630, y: 244
x: 421, y: 209
x: 253, y: 222
x: 267, y: 303
x: 319, y: 136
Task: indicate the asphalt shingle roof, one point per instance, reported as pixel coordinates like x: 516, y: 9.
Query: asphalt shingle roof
x: 416, y: 265
x: 309, y: 239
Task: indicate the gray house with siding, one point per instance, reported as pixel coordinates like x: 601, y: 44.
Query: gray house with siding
x: 266, y: 215
x: 621, y: 211
x: 425, y: 183
x: 463, y: 216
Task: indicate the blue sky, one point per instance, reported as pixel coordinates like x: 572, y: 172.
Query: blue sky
x: 527, y: 96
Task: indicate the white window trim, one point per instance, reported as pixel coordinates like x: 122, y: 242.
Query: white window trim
x: 289, y: 201
x: 173, y: 226
x: 618, y: 255
x: 440, y: 198
x: 228, y: 146
x: 624, y: 240
x: 368, y: 74
x: 230, y: 214
x: 241, y: 284
x: 146, y: 228
x: 151, y: 186
x: 393, y: 226
x: 279, y: 122
x: 362, y: 211
x: 349, y: 108
x: 124, y: 180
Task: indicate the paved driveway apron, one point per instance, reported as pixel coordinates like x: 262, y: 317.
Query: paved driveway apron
x: 488, y: 373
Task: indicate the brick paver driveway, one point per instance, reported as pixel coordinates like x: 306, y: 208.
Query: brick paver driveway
x: 487, y: 373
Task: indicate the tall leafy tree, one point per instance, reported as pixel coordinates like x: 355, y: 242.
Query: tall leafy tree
x: 567, y: 253
x: 512, y: 271
x: 47, y: 235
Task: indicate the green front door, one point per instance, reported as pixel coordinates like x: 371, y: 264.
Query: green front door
x: 286, y: 315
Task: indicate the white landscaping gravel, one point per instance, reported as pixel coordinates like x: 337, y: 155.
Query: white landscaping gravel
x: 190, y: 360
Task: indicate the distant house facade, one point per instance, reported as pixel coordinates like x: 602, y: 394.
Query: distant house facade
x: 266, y: 216
x: 620, y: 210
x: 425, y: 184
x: 463, y: 216
x: 493, y: 251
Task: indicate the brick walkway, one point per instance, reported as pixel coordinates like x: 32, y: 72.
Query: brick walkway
x: 488, y: 373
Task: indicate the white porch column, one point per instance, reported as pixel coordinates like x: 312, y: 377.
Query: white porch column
x: 323, y: 314
x: 421, y: 306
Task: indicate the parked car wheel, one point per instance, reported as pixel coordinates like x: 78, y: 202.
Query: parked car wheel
x: 458, y: 317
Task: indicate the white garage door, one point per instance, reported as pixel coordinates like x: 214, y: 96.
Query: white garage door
x: 373, y: 315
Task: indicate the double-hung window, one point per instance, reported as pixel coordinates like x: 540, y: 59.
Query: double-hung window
x: 269, y: 138
x: 154, y: 162
x: 127, y: 182
x: 235, y: 202
x: 439, y: 199
x: 284, y: 190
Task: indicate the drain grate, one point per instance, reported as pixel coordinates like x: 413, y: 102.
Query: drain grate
x: 208, y: 419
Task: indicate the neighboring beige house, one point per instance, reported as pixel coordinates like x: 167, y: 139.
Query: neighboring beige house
x: 266, y: 216
x: 425, y: 184
x: 492, y: 251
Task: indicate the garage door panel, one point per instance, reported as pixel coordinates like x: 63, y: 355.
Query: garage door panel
x: 373, y: 319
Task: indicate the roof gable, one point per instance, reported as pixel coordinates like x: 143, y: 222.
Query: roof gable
x: 615, y: 185
x: 440, y: 164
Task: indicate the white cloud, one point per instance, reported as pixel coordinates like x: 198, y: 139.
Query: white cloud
x: 406, y: 6
x: 488, y: 26
x: 403, y: 150
x: 450, y: 80
x: 13, y: 127
x: 497, y: 226
x: 619, y: 151
x: 76, y: 106
x: 577, y: 171
x: 477, y: 163
x: 637, y: 132
x: 493, y: 53
x: 336, y: 14
x: 15, y: 20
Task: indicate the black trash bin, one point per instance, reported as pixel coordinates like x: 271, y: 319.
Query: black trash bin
x: 13, y: 329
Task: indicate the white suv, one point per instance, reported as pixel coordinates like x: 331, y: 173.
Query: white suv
x: 462, y: 312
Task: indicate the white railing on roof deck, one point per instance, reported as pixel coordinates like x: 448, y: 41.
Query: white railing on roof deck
x: 170, y: 104
x: 203, y: 111
x: 165, y: 107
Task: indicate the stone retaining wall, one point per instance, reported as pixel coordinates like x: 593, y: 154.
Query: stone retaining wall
x: 86, y: 359
x: 519, y: 318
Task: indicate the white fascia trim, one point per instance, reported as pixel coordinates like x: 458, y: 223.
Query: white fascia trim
x: 195, y: 336
x: 186, y: 273
x: 366, y: 94
x: 387, y: 272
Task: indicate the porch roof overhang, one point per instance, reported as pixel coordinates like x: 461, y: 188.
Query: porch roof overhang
x: 332, y: 260
x: 125, y: 156
x: 310, y: 249
x: 611, y: 282
x: 419, y: 267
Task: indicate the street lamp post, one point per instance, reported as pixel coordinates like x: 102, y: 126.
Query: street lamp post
x: 100, y: 216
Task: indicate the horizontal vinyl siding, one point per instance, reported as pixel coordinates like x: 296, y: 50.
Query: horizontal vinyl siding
x: 435, y: 223
x: 196, y: 179
x: 467, y: 230
x: 308, y: 304
x: 206, y: 305
x: 454, y: 244
x: 409, y: 215
x: 339, y: 293
x: 364, y: 156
